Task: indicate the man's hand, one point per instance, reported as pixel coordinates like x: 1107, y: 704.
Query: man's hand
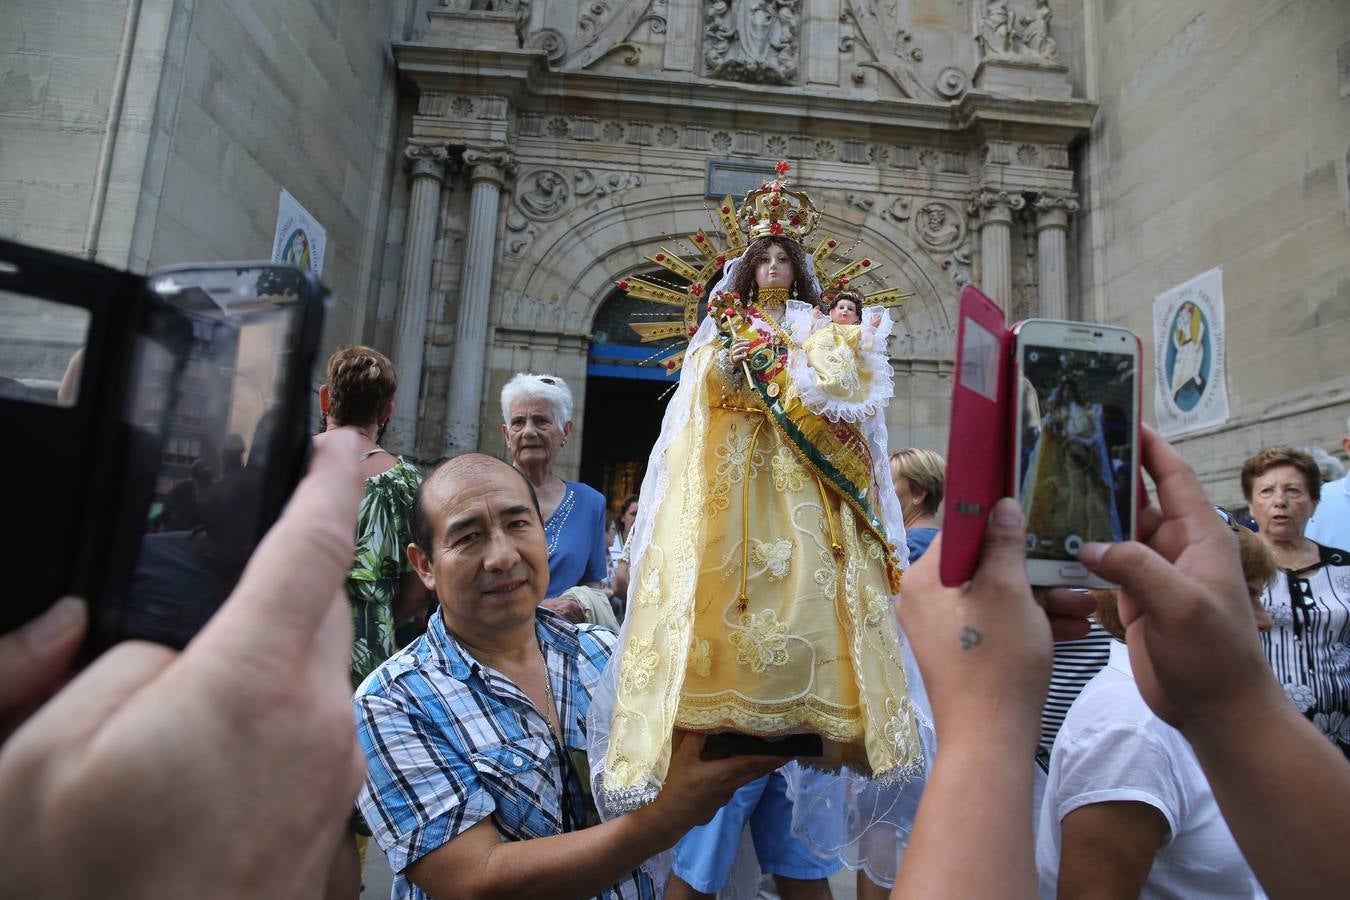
x: 696, y: 788
x: 985, y: 647
x: 1182, y: 589
x: 226, y: 770
x: 567, y: 607
x: 740, y: 349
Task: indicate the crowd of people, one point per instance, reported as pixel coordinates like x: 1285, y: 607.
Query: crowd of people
x: 1193, y: 725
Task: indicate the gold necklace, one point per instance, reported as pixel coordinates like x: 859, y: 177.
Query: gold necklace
x: 552, y: 701
x: 771, y: 296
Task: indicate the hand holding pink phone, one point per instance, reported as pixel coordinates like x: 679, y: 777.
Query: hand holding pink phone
x: 1048, y: 413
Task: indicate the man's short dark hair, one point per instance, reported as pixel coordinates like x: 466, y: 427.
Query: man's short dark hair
x: 420, y: 520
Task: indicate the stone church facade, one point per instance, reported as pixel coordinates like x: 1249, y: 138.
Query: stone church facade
x: 487, y: 171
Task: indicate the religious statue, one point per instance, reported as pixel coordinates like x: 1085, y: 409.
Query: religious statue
x: 996, y: 29
x: 764, y: 554
x: 751, y: 40
x: 1036, y: 32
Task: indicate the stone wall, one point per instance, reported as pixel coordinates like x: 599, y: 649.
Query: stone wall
x: 1222, y: 140
x: 227, y: 102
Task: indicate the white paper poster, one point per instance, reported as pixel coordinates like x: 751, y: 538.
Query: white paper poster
x: 1188, y: 358
x: 300, y: 239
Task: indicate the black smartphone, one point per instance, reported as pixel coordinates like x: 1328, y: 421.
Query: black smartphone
x: 169, y: 424
x: 732, y: 743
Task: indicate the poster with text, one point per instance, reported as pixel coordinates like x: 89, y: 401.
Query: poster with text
x: 1188, y: 358
x: 300, y: 239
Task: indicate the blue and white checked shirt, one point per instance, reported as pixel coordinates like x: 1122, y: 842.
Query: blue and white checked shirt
x: 449, y: 742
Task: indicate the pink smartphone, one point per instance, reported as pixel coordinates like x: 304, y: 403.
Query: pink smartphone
x: 977, y: 449
x: 1074, y: 442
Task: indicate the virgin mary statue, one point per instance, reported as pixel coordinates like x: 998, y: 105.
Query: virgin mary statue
x: 764, y: 553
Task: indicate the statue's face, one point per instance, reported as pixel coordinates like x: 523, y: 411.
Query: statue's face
x: 845, y: 312
x: 774, y: 268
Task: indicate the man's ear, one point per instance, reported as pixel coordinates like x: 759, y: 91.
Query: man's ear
x: 567, y: 430
x: 325, y: 398
x: 422, y: 566
x: 1345, y: 445
x: 384, y: 416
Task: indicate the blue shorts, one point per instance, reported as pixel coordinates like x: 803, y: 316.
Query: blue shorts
x: 704, y: 857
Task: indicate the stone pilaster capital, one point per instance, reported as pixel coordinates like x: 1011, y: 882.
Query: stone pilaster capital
x: 1055, y: 208
x: 427, y: 159
x: 995, y: 205
x: 495, y: 164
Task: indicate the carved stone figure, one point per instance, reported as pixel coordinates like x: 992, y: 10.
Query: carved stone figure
x: 751, y: 40
x: 543, y: 195
x: 938, y: 226
x: 996, y: 29
x: 1036, y: 32
x: 1004, y: 31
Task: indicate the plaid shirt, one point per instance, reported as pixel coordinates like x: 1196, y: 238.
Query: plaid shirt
x: 449, y: 742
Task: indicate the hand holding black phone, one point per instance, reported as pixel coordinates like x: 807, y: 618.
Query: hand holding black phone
x: 164, y: 423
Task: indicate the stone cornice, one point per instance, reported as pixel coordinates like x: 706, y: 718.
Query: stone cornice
x: 524, y: 78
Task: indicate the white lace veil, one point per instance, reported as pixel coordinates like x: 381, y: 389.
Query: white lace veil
x: 844, y: 815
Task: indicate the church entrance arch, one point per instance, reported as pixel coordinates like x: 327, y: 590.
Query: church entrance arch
x: 562, y: 293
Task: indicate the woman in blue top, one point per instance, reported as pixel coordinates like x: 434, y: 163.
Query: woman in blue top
x: 537, y: 423
x: 919, y: 476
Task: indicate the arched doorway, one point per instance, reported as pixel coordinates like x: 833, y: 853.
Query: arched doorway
x: 626, y: 393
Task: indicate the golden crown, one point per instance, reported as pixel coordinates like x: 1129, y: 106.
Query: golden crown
x: 774, y: 209
x: 793, y: 216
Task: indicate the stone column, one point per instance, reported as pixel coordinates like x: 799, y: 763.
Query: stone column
x: 427, y: 161
x: 995, y: 209
x: 488, y: 171
x: 1052, y: 228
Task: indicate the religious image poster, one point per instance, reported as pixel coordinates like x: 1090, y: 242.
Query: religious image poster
x: 300, y: 239
x: 1188, y: 359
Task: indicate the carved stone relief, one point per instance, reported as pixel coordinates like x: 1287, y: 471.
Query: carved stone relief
x: 546, y: 194
x: 518, y: 310
x: 764, y: 145
x: 1006, y: 32
x: 542, y: 195
x: 518, y: 9
x: 938, y: 226
x: 755, y: 41
x: 604, y: 27
x: 483, y: 107
x: 883, y: 47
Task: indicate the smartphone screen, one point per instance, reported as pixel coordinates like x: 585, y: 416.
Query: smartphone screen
x: 229, y: 452
x: 1076, y: 437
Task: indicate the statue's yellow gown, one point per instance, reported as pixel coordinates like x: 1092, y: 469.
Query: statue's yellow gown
x: 762, y: 603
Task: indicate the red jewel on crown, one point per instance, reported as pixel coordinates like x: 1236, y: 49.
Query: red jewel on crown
x: 776, y: 228
x: 623, y: 285
x: 782, y: 167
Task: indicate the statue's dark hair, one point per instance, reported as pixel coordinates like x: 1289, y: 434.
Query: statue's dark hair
x: 744, y: 283
x: 848, y: 294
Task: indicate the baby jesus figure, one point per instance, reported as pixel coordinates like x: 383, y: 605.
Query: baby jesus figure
x: 839, y: 365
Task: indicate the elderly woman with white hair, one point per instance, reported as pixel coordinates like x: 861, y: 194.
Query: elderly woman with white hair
x: 537, y: 423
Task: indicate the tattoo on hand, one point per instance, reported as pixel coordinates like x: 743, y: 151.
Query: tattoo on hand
x: 970, y: 637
